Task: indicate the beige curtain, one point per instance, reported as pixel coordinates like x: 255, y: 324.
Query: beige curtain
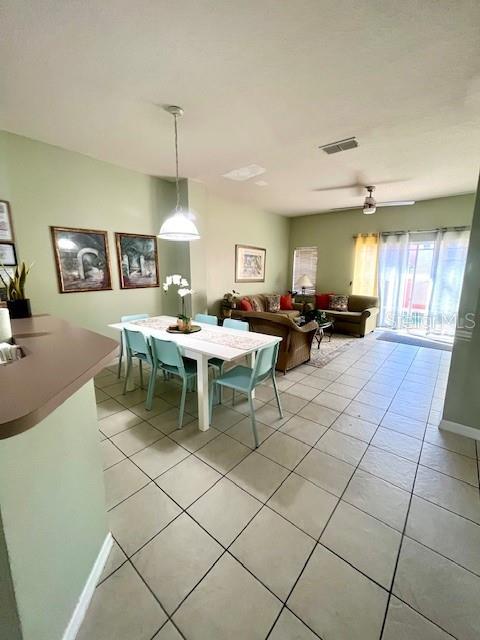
x: 365, y: 267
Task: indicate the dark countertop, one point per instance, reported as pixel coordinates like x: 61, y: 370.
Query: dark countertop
x: 59, y: 359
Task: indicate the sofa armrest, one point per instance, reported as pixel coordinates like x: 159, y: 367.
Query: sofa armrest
x: 307, y: 328
x: 371, y: 311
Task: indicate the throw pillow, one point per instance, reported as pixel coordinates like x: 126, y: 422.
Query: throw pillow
x: 286, y: 303
x: 273, y: 303
x: 245, y: 305
x: 257, y: 303
x: 338, y: 303
x: 322, y: 300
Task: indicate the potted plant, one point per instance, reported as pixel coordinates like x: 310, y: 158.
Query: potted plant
x: 18, y: 305
x: 229, y: 302
x: 184, y: 321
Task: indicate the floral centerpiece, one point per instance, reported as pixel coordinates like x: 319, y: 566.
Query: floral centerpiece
x: 229, y: 302
x: 184, y: 321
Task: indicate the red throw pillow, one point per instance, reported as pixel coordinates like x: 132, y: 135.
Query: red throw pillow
x: 322, y: 300
x: 286, y: 303
x: 245, y: 305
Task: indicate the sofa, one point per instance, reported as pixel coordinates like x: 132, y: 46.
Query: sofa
x: 360, y: 317
x: 296, y: 341
x: 261, y: 302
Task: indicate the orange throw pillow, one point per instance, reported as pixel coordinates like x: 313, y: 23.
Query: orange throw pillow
x: 322, y: 300
x: 245, y: 305
x: 286, y: 303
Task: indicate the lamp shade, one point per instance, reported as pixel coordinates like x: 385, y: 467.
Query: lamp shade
x: 304, y: 282
x: 179, y: 227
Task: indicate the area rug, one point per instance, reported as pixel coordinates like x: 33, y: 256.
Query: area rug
x: 330, y: 349
x: 391, y: 336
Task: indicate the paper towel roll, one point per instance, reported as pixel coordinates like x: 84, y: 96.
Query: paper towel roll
x: 5, y: 326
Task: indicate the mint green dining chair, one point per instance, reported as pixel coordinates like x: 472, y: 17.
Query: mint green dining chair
x: 245, y: 379
x: 166, y: 356
x: 218, y: 363
x: 132, y: 318
x: 136, y: 346
x: 206, y: 319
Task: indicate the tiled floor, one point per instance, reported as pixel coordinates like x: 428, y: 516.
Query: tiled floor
x: 355, y: 518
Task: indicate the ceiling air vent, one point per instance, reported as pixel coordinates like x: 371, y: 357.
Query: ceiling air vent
x: 339, y: 145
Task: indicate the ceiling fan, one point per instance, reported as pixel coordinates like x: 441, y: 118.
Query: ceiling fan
x: 370, y: 204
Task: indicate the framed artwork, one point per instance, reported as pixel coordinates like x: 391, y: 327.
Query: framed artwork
x: 6, y: 228
x: 82, y: 259
x: 8, y: 256
x: 249, y: 263
x: 137, y: 260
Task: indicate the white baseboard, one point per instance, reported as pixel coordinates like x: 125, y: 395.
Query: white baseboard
x: 88, y: 590
x: 460, y: 429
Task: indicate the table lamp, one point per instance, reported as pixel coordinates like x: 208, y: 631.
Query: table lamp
x: 305, y: 283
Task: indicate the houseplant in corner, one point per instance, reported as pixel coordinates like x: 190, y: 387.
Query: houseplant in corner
x: 184, y: 321
x: 18, y: 305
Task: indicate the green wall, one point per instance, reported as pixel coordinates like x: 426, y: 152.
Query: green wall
x: 333, y: 233
x: 52, y: 501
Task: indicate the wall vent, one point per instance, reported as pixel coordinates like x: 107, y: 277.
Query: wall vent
x: 339, y: 145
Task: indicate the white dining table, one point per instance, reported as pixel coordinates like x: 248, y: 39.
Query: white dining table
x: 211, y: 342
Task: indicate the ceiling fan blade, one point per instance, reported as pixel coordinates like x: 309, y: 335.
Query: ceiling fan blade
x: 346, y: 208
x: 396, y: 203
x: 338, y: 187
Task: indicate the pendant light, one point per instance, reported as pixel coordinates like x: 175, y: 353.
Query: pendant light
x: 179, y: 225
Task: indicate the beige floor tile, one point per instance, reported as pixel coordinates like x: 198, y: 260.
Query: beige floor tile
x: 224, y: 417
x: 397, y: 443
x: 137, y: 438
x: 168, y: 632
x: 342, y: 446
x: 316, y: 383
x: 111, y: 615
x: 331, y: 401
x: 132, y: 398
x: 304, y: 504
x: 354, y: 427
x: 302, y: 391
x: 276, y: 560
x: 402, y: 424
x: 136, y: 520
x: 110, y: 454
x: 242, y: 431
x: 269, y: 415
x: 100, y: 395
x: 188, y: 480
x: 158, y: 406
x: 443, y: 592
x: 389, y: 467
x: 224, y: 510
x: 302, y: 429
x: 283, y: 449
x: 105, y: 380
x: 223, y: 453
x: 167, y: 421
x: 108, y: 408
x: 289, y: 627
x: 336, y: 601
x: 228, y: 587
x: 450, y: 441
x: 445, y: 532
x: 454, y: 495
x: 342, y: 390
x: 118, y: 422
x: 450, y: 463
x: 159, y: 457
x: 319, y: 414
x: 121, y: 481
x: 365, y: 412
x: 191, y: 438
x: 378, y: 498
x: 175, y: 560
x: 115, y: 559
x: 404, y: 623
x: 363, y: 541
x: 326, y: 471
x: 259, y: 476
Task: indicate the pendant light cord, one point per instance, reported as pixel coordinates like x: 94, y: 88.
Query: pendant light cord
x: 177, y: 208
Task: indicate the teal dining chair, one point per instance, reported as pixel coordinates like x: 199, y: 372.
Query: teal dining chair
x: 132, y: 318
x: 136, y: 346
x: 206, y: 319
x: 166, y: 356
x: 218, y: 363
x: 245, y: 379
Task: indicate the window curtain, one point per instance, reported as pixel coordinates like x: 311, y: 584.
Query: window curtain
x: 365, y: 266
x: 448, y: 270
x: 392, y: 272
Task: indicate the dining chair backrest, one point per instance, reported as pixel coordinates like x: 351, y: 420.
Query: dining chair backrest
x: 264, y: 363
x: 236, y: 324
x: 135, y: 316
x: 167, y: 352
x: 206, y: 319
x: 136, y: 343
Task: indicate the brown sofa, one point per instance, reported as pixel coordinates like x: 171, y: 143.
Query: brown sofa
x: 361, y: 317
x: 296, y: 341
x: 260, y: 299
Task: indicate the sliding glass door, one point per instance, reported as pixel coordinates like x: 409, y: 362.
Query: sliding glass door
x: 420, y: 280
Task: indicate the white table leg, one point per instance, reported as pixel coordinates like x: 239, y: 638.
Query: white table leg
x: 252, y: 364
x: 202, y: 392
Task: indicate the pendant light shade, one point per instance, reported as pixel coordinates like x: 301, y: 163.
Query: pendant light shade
x: 179, y: 226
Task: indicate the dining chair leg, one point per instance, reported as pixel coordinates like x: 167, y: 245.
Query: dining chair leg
x: 120, y: 356
x: 141, y: 374
x: 151, y: 388
x: 233, y: 397
x: 182, y: 402
x: 277, y: 396
x: 127, y: 373
x: 252, y: 418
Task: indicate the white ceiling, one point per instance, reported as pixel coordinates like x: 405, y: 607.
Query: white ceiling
x: 261, y: 81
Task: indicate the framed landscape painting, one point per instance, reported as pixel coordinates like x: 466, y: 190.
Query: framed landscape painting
x: 249, y: 263
x: 82, y: 259
x: 137, y: 260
